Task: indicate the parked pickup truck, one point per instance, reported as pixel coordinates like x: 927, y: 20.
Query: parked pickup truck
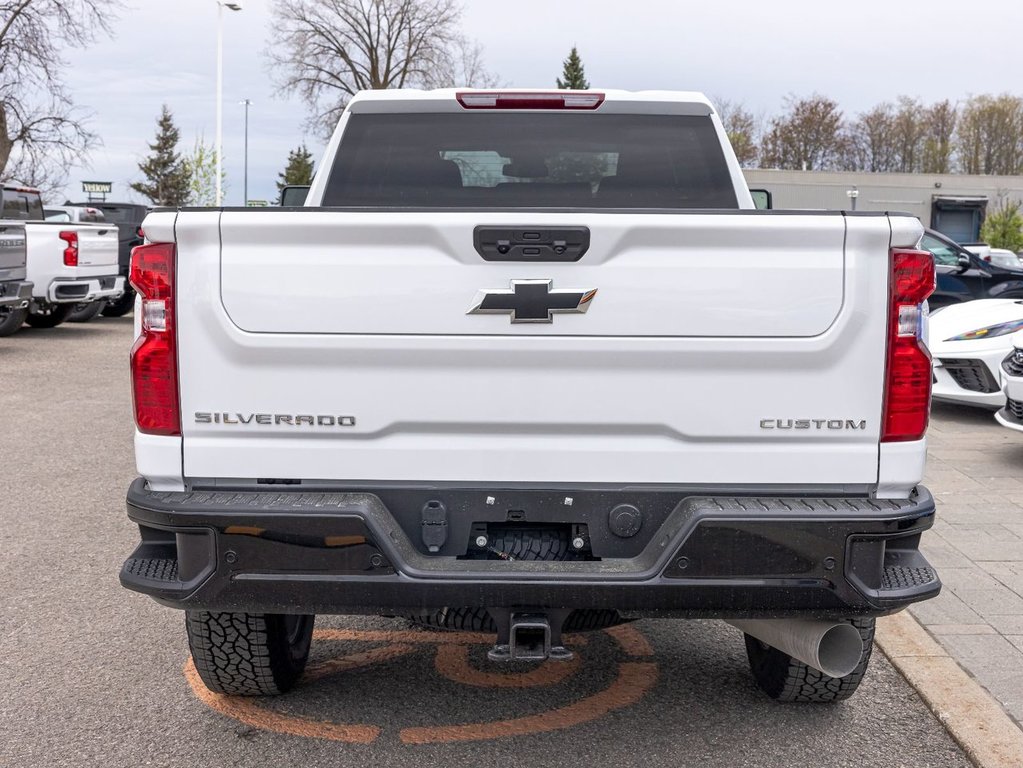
x: 489, y: 378
x: 68, y: 263
x: 128, y: 218
x: 15, y: 290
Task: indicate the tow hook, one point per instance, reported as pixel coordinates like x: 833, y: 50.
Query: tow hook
x: 529, y: 635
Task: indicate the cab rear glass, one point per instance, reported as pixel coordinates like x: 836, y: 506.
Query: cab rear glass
x: 20, y: 204
x: 529, y: 160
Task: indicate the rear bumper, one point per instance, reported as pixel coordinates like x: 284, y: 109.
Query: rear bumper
x: 710, y: 556
x: 15, y: 293
x: 88, y: 289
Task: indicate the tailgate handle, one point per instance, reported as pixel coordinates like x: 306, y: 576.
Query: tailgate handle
x: 537, y: 244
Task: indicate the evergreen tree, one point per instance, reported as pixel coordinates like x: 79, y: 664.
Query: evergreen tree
x: 572, y: 75
x: 167, y: 175
x: 299, y: 169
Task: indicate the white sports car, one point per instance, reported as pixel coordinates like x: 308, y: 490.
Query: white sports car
x: 1011, y: 415
x: 968, y: 343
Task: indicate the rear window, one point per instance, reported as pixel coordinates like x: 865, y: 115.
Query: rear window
x: 529, y: 160
x: 119, y: 215
x: 26, y: 205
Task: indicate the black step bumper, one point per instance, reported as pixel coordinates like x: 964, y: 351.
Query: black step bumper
x: 710, y: 556
x: 15, y: 293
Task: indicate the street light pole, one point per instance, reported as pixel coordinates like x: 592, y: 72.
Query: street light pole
x: 247, y: 103
x: 237, y: 6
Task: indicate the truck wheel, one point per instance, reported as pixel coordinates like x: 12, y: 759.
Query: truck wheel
x: 51, y: 317
x: 783, y: 678
x: 86, y: 311
x: 11, y: 320
x: 249, y: 654
x: 120, y: 306
x: 520, y: 544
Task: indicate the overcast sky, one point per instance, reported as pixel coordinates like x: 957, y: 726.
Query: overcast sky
x: 164, y: 51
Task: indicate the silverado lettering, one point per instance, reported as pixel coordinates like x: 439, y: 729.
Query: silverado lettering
x: 266, y: 419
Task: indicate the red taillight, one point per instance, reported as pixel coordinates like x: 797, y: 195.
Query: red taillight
x: 154, y: 369
x: 71, y: 251
x: 527, y: 100
x: 907, y: 394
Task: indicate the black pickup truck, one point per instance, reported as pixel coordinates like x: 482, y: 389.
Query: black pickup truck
x: 964, y: 276
x: 128, y: 218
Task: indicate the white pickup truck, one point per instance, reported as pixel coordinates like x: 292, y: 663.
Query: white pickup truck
x: 531, y: 363
x: 69, y: 263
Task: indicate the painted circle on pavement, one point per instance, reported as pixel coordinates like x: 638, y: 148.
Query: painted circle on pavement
x: 634, y: 676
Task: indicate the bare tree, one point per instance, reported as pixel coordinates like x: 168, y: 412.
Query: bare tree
x: 869, y: 145
x: 908, y: 132
x: 743, y: 130
x: 990, y: 135
x: 807, y: 137
x: 327, y: 50
x: 41, y: 131
x: 939, y: 121
x: 463, y: 65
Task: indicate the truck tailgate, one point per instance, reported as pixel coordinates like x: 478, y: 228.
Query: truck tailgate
x: 655, y: 275
x: 719, y: 348
x: 97, y: 244
x: 12, y: 251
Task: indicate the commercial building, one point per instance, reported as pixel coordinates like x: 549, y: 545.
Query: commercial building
x: 950, y: 203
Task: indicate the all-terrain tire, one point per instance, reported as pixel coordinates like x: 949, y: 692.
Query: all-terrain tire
x: 11, y: 320
x: 86, y: 311
x: 120, y: 306
x: 51, y: 317
x: 249, y: 654
x: 785, y: 679
x: 520, y: 544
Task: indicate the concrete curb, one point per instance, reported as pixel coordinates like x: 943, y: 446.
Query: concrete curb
x: 977, y: 722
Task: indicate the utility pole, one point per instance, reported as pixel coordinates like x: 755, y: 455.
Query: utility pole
x: 236, y: 6
x: 245, y: 185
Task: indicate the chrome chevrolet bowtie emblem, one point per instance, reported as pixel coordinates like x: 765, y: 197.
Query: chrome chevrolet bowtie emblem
x: 531, y: 301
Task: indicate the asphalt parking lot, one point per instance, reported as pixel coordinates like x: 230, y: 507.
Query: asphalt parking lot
x: 94, y: 675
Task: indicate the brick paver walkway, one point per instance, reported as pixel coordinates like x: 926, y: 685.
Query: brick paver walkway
x: 975, y: 471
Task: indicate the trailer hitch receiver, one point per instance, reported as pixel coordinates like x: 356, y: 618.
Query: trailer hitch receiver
x: 528, y: 635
